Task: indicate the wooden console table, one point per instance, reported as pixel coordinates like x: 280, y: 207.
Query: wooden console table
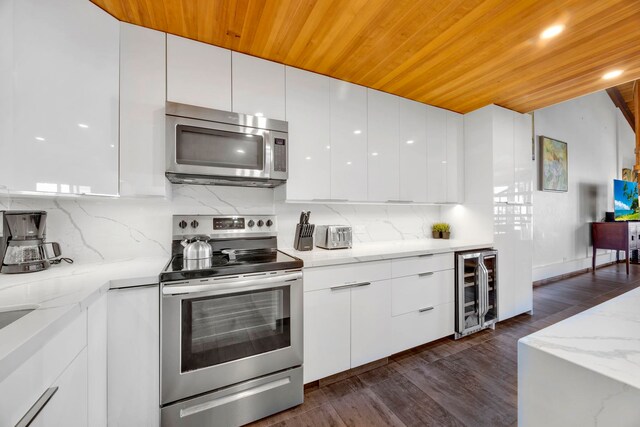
x: 619, y: 236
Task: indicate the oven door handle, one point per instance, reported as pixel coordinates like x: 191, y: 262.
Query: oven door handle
x: 224, y: 284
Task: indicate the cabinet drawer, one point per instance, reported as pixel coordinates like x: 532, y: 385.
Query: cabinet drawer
x: 413, y: 293
x: 24, y: 386
x: 337, y: 275
x: 421, y: 264
x: 417, y: 328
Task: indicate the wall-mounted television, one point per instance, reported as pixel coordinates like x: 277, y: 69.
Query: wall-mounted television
x: 625, y: 200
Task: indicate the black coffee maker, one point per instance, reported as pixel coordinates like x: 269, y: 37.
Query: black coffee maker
x: 22, y: 243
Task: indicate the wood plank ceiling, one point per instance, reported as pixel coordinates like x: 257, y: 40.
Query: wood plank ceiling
x: 455, y: 54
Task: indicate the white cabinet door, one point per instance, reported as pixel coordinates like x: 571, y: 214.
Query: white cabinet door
x: 503, y: 160
x: 523, y: 159
x: 142, y: 102
x: 413, y: 151
x: 436, y: 154
x: 198, y: 73
x: 309, y: 117
x: 97, y: 362
x: 455, y: 158
x: 383, y: 150
x: 68, y: 406
x: 522, y: 236
x: 348, y: 141
x: 327, y: 333
x: 134, y: 357
x: 64, y: 71
x: 370, y: 322
x: 258, y: 86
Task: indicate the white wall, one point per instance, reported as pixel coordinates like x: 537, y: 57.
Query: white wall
x: 599, y: 145
x: 95, y: 229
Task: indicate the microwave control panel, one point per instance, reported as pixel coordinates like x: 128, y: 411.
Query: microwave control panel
x: 280, y: 154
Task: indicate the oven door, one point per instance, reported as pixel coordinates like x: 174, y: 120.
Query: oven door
x: 216, y: 333
x: 199, y: 147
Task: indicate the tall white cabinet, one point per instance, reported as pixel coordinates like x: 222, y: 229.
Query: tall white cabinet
x: 383, y: 155
x: 258, y: 86
x: 59, y: 65
x: 413, y: 173
x: 501, y: 140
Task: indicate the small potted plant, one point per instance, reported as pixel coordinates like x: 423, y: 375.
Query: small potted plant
x: 440, y: 230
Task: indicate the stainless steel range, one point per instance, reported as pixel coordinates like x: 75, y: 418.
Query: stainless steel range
x: 231, y: 323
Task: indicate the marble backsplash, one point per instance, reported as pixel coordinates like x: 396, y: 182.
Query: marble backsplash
x: 96, y: 229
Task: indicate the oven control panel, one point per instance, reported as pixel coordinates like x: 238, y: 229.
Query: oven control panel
x: 223, y: 225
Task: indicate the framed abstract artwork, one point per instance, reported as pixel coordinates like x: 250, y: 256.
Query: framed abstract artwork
x: 554, y: 165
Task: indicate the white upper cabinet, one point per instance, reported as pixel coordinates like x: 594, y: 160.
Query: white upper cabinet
x: 436, y: 154
x: 258, y: 86
x: 383, y: 149
x: 413, y: 151
x: 348, y: 145
x: 60, y: 63
x: 309, y: 117
x: 142, y: 103
x: 198, y: 74
x: 455, y: 158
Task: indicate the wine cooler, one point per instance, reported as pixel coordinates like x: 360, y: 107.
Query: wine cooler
x: 476, y: 291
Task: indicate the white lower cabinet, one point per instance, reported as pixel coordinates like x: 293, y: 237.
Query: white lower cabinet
x: 327, y: 333
x: 358, y: 313
x: 417, y: 328
x: 133, y: 357
x: 68, y: 406
x: 370, y: 327
x: 97, y: 362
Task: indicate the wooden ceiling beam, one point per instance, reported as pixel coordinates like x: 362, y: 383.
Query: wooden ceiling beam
x: 618, y: 100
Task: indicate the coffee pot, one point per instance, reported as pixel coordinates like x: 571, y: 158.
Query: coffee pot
x: 22, y: 242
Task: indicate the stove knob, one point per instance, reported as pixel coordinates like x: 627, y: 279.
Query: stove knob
x: 195, y: 224
x: 269, y: 223
x: 251, y: 223
x: 182, y: 224
x: 260, y: 223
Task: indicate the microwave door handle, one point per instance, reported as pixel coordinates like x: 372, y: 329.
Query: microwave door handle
x: 193, y: 287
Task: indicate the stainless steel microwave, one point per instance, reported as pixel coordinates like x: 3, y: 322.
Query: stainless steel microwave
x: 206, y: 146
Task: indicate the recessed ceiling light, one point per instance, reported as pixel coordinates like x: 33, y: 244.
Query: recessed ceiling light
x: 357, y: 131
x: 410, y: 141
x: 552, y: 31
x: 240, y: 151
x: 83, y: 126
x: 374, y: 154
x: 39, y: 138
x: 612, y: 74
x: 259, y: 114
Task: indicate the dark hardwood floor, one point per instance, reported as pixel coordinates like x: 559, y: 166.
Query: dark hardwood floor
x: 470, y: 382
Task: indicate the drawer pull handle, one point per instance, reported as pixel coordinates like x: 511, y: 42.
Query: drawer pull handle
x: 424, y: 255
x: 430, y: 273
x: 33, y: 412
x: 422, y: 310
x: 350, y: 285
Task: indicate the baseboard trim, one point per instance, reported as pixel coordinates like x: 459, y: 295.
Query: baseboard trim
x: 573, y: 273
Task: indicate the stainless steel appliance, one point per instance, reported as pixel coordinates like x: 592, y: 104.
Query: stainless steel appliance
x: 231, y: 333
x: 22, y: 242
x: 206, y: 146
x: 476, y: 291
x: 334, y: 236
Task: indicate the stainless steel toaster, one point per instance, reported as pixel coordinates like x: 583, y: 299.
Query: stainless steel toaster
x: 333, y: 236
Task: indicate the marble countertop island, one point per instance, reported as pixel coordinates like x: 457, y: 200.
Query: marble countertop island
x: 58, y: 295
x: 585, y: 370
x: 377, y: 251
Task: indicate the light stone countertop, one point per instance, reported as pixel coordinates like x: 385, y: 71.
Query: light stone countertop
x: 604, y: 339
x: 377, y: 251
x: 59, y: 294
